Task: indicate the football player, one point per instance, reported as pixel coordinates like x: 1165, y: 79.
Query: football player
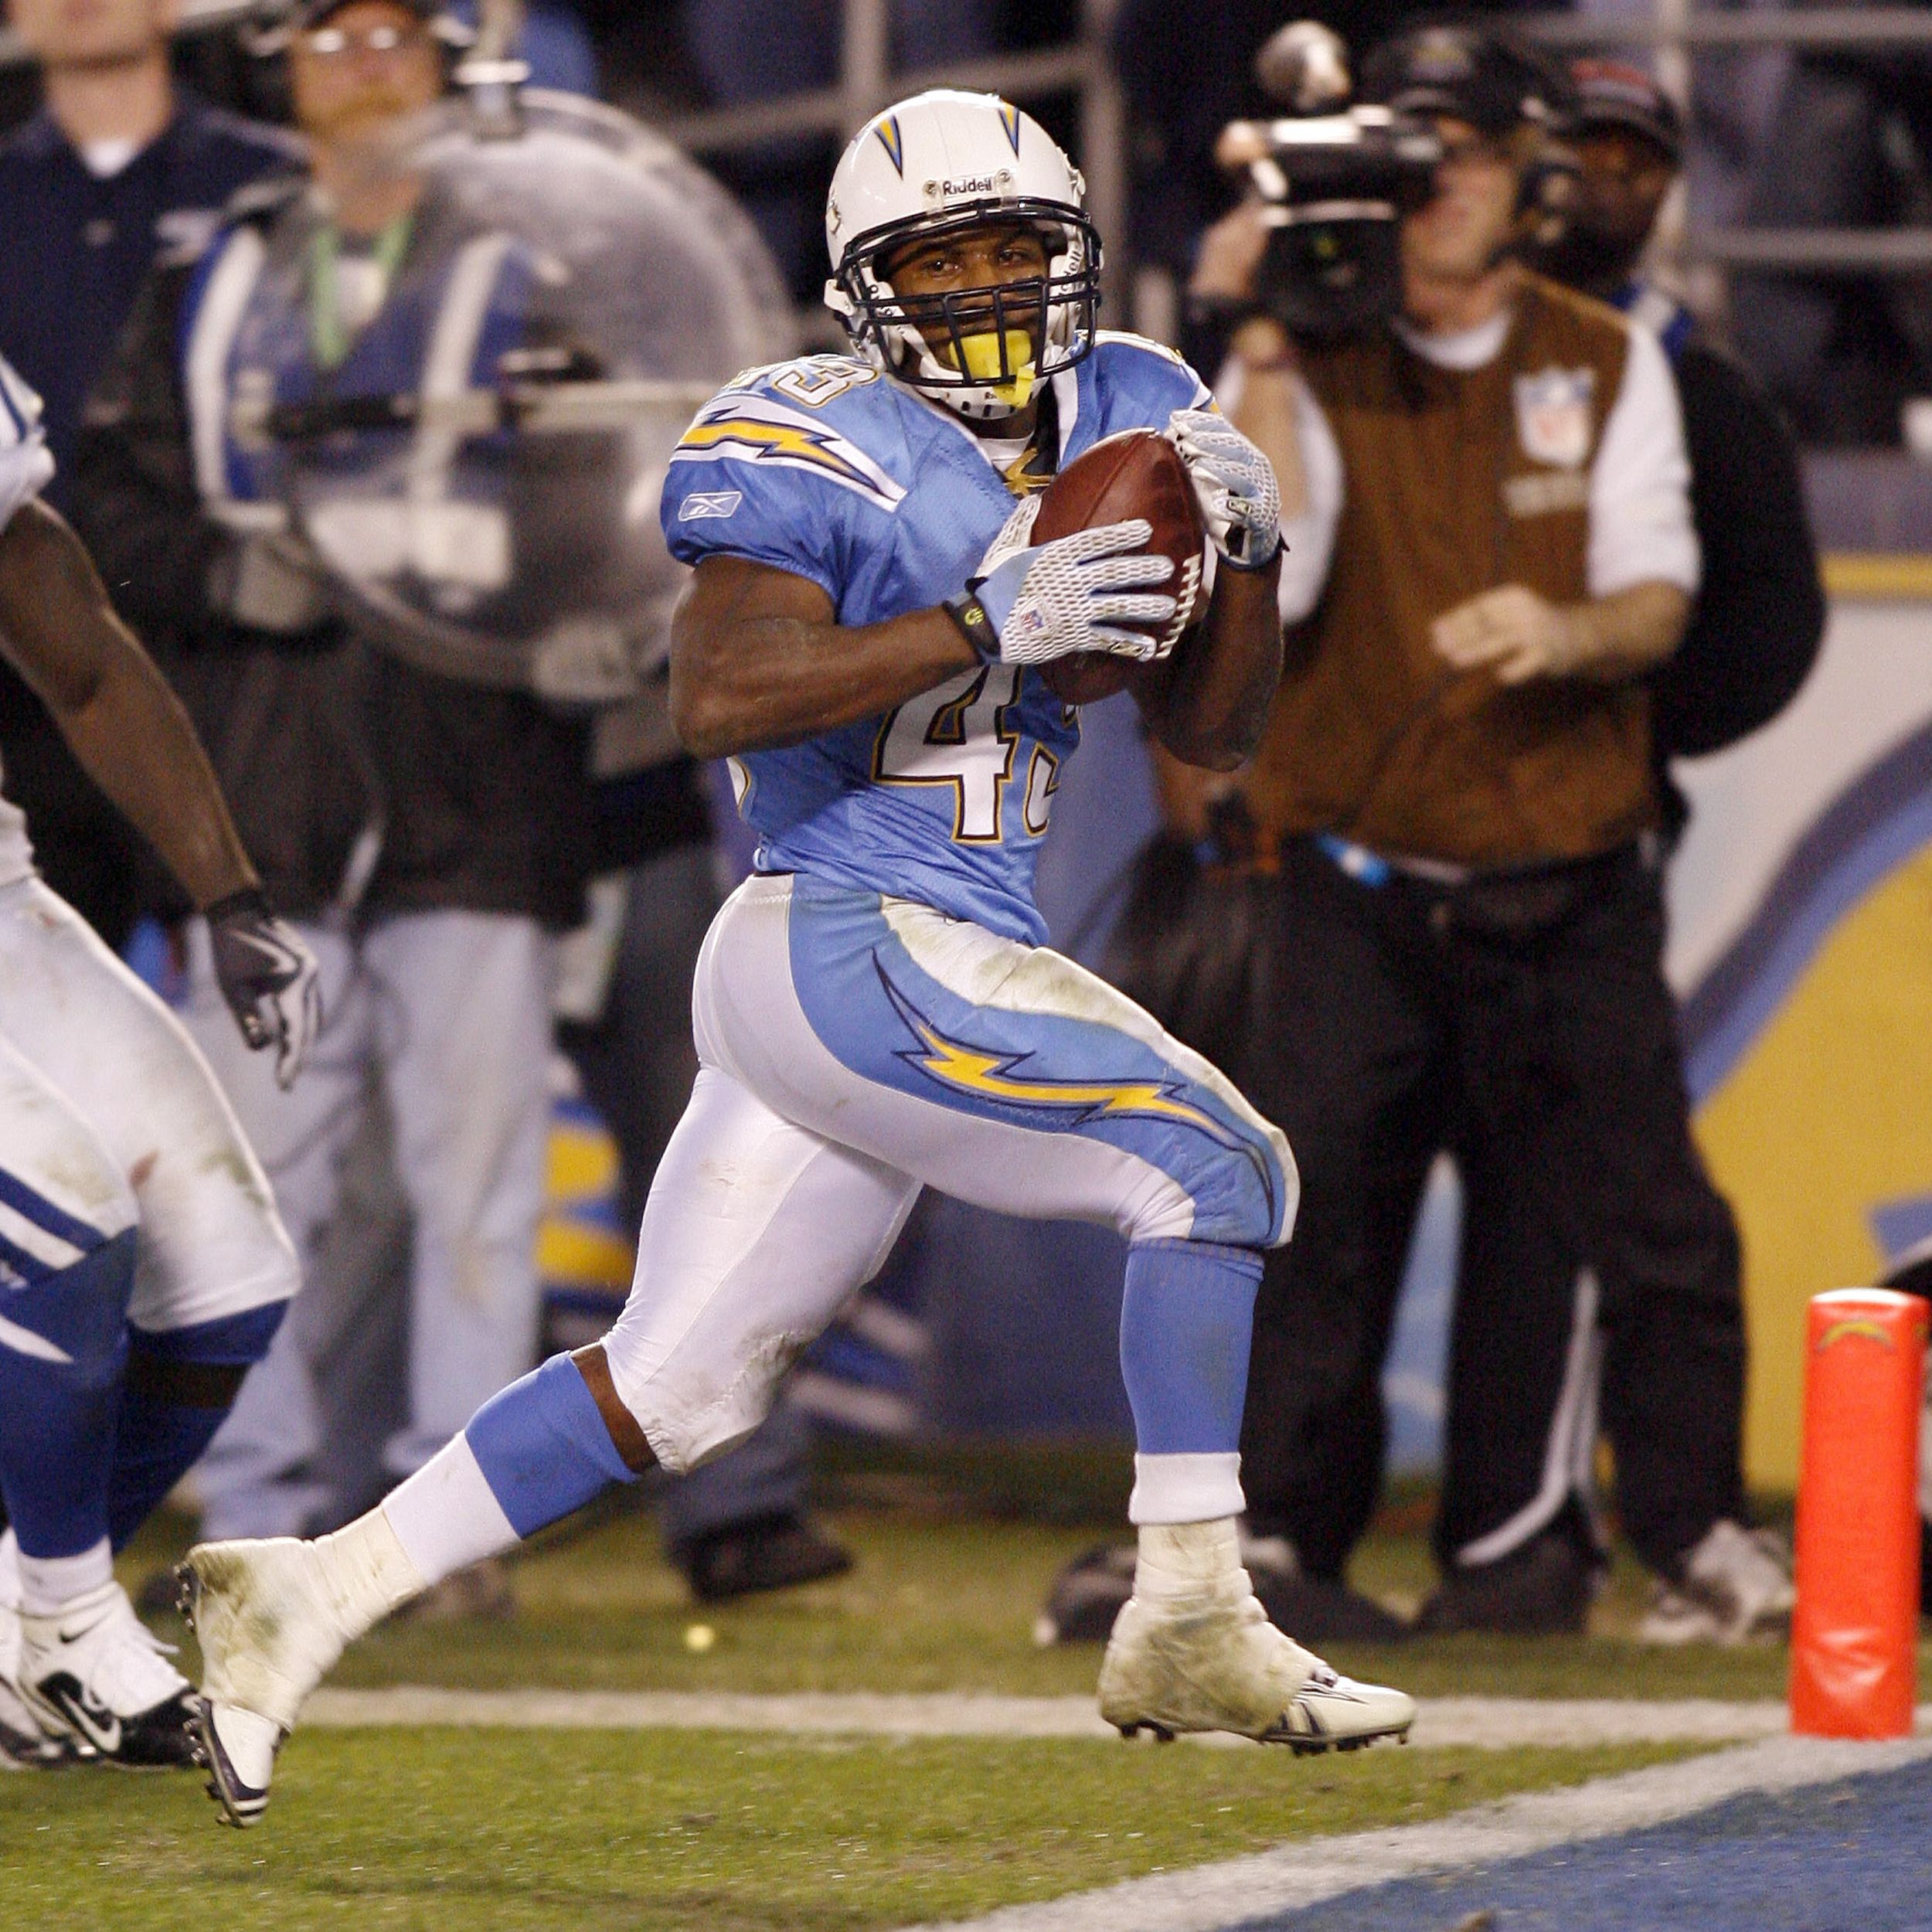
x: 874, y: 1010
x: 142, y: 1267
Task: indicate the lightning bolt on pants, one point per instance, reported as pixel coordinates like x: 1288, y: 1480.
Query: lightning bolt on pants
x: 854, y: 1049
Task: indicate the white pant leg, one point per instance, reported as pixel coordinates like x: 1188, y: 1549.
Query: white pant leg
x: 756, y: 1231
x: 792, y: 1171
x: 1001, y: 1074
x: 303, y: 1135
x: 466, y: 1041
x: 212, y: 1244
x: 62, y: 1192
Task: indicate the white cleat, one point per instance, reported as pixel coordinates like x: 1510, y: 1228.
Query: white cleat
x: 1735, y: 1588
x: 24, y: 1745
x: 93, y: 1674
x: 270, y: 1630
x: 1215, y: 1663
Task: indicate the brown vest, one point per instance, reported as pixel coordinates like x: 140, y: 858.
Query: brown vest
x: 1457, y: 482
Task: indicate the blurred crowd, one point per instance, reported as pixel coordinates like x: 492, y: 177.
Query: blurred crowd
x: 1827, y: 140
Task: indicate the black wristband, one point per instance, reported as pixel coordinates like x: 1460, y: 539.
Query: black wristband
x: 251, y: 902
x: 1226, y: 563
x: 976, y: 626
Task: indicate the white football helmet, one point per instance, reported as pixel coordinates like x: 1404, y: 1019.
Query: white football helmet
x: 937, y: 164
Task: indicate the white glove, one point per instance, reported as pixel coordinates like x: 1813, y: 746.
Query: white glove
x: 1234, y: 484
x: 268, y: 976
x: 1046, y: 600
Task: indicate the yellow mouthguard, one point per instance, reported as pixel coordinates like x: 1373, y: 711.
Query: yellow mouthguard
x: 982, y: 358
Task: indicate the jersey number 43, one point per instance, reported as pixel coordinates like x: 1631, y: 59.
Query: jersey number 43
x: 958, y: 734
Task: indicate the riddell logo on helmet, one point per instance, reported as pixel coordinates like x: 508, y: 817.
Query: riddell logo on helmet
x: 973, y: 185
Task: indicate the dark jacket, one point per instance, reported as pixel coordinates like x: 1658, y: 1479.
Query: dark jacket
x: 82, y: 247
x: 1759, y: 619
x: 481, y: 797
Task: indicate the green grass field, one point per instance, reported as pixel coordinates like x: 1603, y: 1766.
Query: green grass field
x: 642, y: 1830
x: 436, y: 1828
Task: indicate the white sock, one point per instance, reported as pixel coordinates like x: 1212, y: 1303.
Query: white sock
x: 9, y: 1570
x: 1191, y: 1560
x: 446, y: 1516
x: 369, y: 1574
x: 1186, y: 1489
x: 48, y: 1583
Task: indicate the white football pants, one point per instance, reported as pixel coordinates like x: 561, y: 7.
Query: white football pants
x: 108, y: 1115
x: 853, y: 1050
x: 453, y: 1008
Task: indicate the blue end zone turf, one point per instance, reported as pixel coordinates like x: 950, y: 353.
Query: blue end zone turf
x: 1855, y: 1856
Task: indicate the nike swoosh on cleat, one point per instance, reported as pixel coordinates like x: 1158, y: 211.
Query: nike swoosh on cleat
x: 97, y: 1725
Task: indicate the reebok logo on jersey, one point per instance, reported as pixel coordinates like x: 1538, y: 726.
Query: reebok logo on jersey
x: 703, y: 503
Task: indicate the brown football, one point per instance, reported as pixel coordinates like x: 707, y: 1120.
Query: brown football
x: 1136, y: 473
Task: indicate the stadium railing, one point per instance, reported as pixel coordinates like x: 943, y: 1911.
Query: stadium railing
x: 1673, y: 32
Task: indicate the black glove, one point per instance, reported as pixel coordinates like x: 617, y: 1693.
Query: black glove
x: 268, y: 978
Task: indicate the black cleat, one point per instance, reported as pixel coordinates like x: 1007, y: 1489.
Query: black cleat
x: 1544, y: 1588
x: 777, y: 1553
x: 93, y: 1674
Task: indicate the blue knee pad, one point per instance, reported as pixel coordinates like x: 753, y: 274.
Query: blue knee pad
x: 181, y: 1383
x: 1185, y: 1321
x: 63, y: 1343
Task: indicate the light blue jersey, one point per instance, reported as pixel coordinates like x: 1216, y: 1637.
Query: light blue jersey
x: 826, y: 468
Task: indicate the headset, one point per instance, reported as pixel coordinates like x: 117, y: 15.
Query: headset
x: 265, y: 33
x: 1471, y: 73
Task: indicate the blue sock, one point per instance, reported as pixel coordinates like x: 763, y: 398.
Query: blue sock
x: 63, y: 1340
x: 543, y: 1447
x: 1185, y: 1324
x: 179, y: 1386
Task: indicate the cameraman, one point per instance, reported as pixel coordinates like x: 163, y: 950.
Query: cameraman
x: 1489, y: 545
x: 1751, y: 640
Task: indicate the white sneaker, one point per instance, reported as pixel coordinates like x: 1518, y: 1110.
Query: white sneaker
x: 270, y: 1632
x: 93, y: 1672
x: 1735, y: 1586
x: 24, y: 1746
x: 1214, y: 1663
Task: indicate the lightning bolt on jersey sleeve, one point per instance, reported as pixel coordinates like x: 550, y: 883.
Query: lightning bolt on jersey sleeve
x: 824, y: 468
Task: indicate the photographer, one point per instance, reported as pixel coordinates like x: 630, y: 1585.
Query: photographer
x: 1490, y: 544
x: 1751, y: 640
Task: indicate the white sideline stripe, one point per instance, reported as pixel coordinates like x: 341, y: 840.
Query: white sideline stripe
x: 1492, y: 1723
x: 1208, y: 1898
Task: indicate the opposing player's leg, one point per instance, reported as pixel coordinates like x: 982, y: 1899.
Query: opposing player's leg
x: 756, y: 1231
x: 80, y: 1663
x: 213, y: 1270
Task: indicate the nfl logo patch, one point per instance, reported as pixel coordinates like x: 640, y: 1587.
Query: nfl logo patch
x: 1552, y: 416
